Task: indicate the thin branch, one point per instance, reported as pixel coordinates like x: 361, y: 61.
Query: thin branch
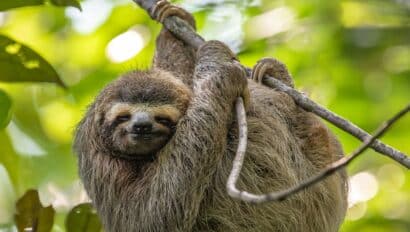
x: 282, y: 195
x: 240, y: 152
x: 183, y: 31
x: 311, y: 106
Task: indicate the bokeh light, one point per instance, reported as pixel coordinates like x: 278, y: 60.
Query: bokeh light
x: 126, y: 45
x: 357, y: 211
x: 63, y: 199
x: 22, y: 143
x: 224, y: 23
x: 93, y: 14
x: 270, y: 23
x: 363, y: 186
x: 391, y: 176
x: 396, y: 59
x: 3, y: 16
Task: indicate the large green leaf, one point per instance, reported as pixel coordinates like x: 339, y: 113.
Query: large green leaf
x: 83, y: 218
x: 31, y: 215
x: 73, y: 3
x: 5, y: 112
x: 19, y: 63
x: 9, y: 4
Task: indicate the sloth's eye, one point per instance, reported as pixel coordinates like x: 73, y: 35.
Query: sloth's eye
x: 123, y: 118
x: 164, y: 121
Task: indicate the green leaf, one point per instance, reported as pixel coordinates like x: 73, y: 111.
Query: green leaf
x: 5, y: 109
x: 73, y: 3
x: 19, y: 63
x: 31, y: 215
x: 9, y: 4
x: 83, y: 218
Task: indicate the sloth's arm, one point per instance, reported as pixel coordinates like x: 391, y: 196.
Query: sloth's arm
x: 172, y: 54
x: 188, y: 161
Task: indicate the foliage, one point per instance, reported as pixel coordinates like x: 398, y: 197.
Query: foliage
x: 82, y: 218
x: 5, y: 109
x: 351, y: 56
x: 6, y: 5
x: 32, y: 215
x: 20, y: 63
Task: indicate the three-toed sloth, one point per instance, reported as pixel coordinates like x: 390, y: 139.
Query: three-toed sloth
x: 156, y: 147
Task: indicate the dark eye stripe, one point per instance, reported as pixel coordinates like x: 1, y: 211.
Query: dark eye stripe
x: 164, y: 121
x: 120, y: 119
x: 123, y: 118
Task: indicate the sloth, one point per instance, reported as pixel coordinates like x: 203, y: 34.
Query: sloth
x: 156, y: 147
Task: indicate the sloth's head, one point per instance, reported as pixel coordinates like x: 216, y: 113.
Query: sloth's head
x: 136, y: 115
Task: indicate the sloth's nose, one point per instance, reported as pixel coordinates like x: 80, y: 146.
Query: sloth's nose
x: 142, y: 123
x: 142, y: 127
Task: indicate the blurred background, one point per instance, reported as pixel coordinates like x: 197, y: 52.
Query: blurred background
x: 351, y: 56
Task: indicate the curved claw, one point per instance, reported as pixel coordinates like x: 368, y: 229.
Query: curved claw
x: 272, y: 67
x: 155, y: 11
x: 163, y: 9
x: 259, y: 71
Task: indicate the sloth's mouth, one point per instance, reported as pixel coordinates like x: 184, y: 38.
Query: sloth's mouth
x: 143, y: 147
x: 145, y: 136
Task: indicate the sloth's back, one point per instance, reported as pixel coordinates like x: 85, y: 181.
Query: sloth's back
x: 285, y: 145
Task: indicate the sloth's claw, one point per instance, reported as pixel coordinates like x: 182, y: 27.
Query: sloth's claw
x: 158, y: 9
x: 258, y: 71
x: 272, y: 67
x: 163, y: 9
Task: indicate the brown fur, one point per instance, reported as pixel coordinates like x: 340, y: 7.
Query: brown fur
x: 183, y: 189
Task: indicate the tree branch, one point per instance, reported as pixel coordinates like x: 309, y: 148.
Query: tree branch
x: 282, y: 195
x: 311, y: 106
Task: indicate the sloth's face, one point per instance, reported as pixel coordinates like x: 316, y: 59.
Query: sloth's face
x: 138, y: 131
x: 137, y: 114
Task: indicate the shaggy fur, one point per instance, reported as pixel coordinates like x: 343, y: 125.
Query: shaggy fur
x: 183, y: 189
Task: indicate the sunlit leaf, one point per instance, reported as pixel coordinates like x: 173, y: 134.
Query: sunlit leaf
x: 19, y: 63
x: 73, y: 3
x: 83, y: 218
x: 9, y: 4
x: 31, y: 215
x: 5, y: 106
